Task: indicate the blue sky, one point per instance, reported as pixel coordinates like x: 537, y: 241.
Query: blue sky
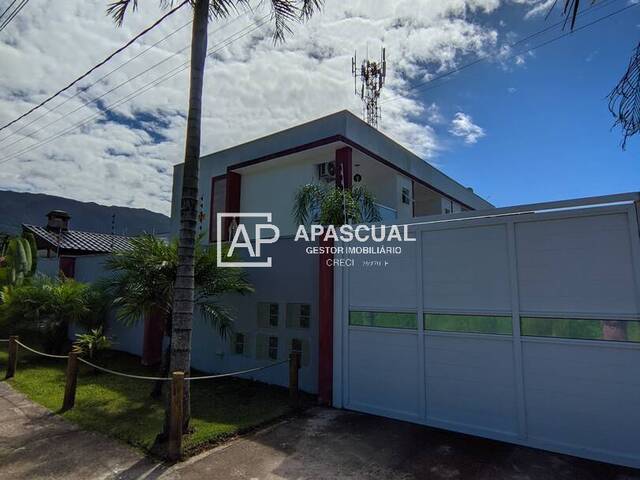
x: 516, y: 131
x: 551, y: 137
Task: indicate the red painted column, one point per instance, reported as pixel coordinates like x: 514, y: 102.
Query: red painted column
x: 344, y: 170
x: 232, y: 200
x: 152, y: 337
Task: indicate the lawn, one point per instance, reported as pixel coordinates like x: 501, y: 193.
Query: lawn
x: 122, y: 408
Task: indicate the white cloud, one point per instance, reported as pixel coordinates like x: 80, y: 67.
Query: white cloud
x: 252, y: 87
x: 536, y: 7
x: 462, y: 126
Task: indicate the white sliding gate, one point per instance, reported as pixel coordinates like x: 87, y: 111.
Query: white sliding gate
x: 522, y: 327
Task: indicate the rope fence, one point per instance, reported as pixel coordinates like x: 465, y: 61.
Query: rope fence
x: 176, y: 380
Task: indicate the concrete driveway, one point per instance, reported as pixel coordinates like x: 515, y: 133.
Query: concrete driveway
x: 319, y: 444
x: 333, y: 444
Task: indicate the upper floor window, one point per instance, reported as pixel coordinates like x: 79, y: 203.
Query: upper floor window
x: 406, y: 196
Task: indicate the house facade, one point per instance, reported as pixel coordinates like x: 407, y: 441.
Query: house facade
x: 292, y: 307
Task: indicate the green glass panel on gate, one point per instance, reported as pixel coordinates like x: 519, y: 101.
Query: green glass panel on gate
x: 581, y: 328
x: 494, y: 324
x: 383, y: 319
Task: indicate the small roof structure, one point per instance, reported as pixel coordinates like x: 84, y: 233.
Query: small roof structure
x: 74, y: 242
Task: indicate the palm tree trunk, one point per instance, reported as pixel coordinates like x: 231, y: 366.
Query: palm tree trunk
x: 184, y: 286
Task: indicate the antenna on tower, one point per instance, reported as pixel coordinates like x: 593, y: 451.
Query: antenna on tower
x: 372, y: 76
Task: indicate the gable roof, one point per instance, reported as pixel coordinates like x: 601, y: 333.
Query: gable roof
x: 345, y: 127
x: 77, y: 241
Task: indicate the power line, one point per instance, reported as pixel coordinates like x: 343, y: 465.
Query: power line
x: 7, y: 9
x: 418, y: 86
x: 95, y: 99
x: 166, y: 76
x: 84, y: 89
x: 13, y: 14
x: 95, y: 67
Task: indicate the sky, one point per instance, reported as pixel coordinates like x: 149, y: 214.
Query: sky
x: 517, y: 126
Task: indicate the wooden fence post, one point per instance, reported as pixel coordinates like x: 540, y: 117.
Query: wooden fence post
x: 294, y: 369
x: 175, y: 426
x: 13, y: 356
x: 71, y: 382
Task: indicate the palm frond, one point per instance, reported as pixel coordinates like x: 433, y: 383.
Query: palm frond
x: 118, y: 10
x: 283, y: 12
x: 306, y: 203
x: 624, y: 99
x: 219, y: 317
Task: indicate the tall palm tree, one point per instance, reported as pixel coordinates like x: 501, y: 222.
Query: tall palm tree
x: 283, y: 13
x: 331, y: 205
x: 624, y: 98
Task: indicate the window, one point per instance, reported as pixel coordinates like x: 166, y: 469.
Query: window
x: 501, y: 325
x: 268, y: 315
x: 301, y: 347
x: 383, y: 319
x: 298, y: 315
x: 218, y: 200
x: 239, y: 344
x: 580, y: 328
x: 273, y: 348
x: 406, y: 196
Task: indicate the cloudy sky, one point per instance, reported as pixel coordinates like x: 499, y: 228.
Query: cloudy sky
x: 519, y: 126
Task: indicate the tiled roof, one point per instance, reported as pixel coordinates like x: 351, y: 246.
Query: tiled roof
x: 83, y: 241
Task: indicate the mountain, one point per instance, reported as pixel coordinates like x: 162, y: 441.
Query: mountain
x: 17, y: 208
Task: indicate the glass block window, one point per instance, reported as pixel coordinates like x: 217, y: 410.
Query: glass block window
x: 383, y: 319
x: 273, y: 348
x: 301, y: 347
x: 582, y: 329
x: 500, y: 325
x: 268, y: 314
x: 298, y: 315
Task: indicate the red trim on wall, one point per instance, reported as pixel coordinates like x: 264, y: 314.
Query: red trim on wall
x: 342, y: 138
x: 212, y: 217
x: 344, y: 168
x: 232, y: 200
x: 325, y: 330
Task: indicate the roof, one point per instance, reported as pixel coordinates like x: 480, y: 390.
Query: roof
x: 344, y: 127
x: 77, y: 241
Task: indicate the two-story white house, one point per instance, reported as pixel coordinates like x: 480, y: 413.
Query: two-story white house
x: 292, y: 304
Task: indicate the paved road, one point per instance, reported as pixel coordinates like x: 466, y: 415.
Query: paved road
x: 321, y: 444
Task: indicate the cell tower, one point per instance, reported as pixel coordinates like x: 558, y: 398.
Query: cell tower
x: 372, y: 76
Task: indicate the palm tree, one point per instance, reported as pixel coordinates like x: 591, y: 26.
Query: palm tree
x: 283, y: 12
x: 624, y: 98
x: 331, y: 205
x: 143, y: 282
x: 46, y: 306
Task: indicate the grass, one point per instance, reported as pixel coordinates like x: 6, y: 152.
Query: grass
x: 122, y: 408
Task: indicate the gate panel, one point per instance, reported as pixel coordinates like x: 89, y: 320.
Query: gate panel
x: 471, y: 383
x: 383, y: 372
x: 584, y: 396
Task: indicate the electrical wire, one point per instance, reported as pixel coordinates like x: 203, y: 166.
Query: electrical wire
x: 419, y: 86
x: 98, y: 65
x: 84, y: 89
x: 13, y: 14
x: 170, y: 74
x: 95, y: 99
